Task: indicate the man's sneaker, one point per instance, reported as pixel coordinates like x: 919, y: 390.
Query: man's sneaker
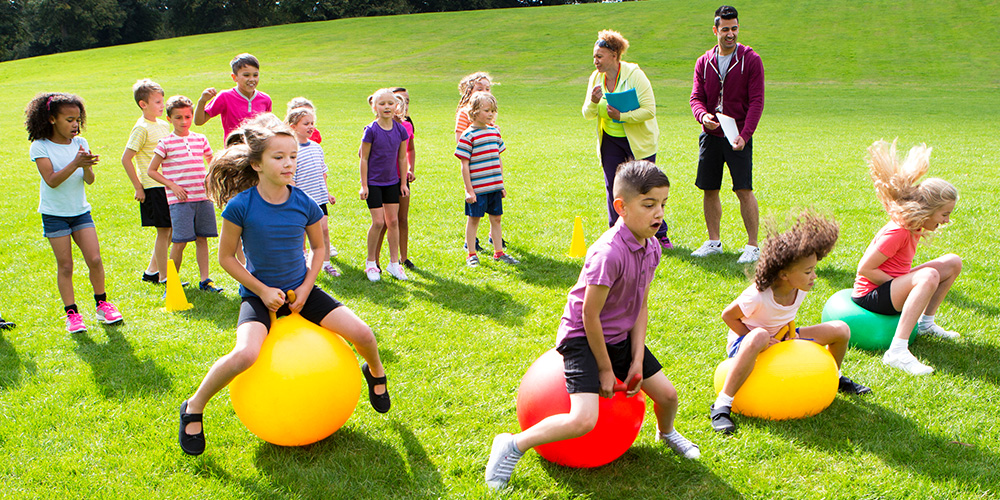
x: 680, y: 444
x: 503, y: 458
x: 151, y: 277
x: 665, y: 243
x: 478, y: 247
x: 937, y: 331
x: 722, y: 420
x: 396, y: 271
x: 907, y: 362
x: 848, y: 386
x: 472, y: 261
x: 74, y: 322
x: 707, y: 248
x: 330, y: 270
x: 107, y: 313
x: 750, y: 254
x: 373, y: 272
x: 503, y: 242
x: 506, y: 259
x: 209, y: 286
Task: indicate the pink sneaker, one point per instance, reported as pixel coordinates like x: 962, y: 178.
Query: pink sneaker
x: 107, y: 313
x: 665, y: 242
x: 74, y: 322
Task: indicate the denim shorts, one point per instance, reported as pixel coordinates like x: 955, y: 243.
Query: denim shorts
x: 55, y: 226
x: 192, y: 220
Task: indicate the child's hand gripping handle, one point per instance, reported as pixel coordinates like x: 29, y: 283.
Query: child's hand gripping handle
x: 289, y: 298
x: 622, y: 387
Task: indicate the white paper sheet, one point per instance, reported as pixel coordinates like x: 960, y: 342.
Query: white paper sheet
x: 728, y: 127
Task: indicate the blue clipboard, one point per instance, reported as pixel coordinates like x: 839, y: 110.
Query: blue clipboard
x: 624, y: 101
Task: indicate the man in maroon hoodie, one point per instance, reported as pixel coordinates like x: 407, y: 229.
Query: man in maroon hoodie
x: 728, y: 80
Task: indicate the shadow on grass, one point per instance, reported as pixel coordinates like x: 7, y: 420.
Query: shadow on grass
x: 721, y: 264
x: 963, y: 358
x: 644, y: 472
x: 469, y: 300
x: 206, y: 467
x: 11, y: 366
x: 223, y: 310
x: 350, y: 464
x: 352, y: 282
x: 862, y: 425
x: 544, y: 271
x: 837, y: 278
x: 117, y: 371
x: 961, y: 300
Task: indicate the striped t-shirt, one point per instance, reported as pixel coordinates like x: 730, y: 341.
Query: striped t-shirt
x: 309, y: 170
x: 184, y: 164
x: 482, y: 147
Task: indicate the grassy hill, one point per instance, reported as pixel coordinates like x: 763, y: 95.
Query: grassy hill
x: 94, y: 415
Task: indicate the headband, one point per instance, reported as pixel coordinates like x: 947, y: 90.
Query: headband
x: 603, y: 43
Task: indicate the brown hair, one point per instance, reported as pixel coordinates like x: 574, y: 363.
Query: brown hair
x: 613, y: 41
x: 232, y: 171
x: 144, y: 88
x: 295, y: 115
x: 178, y: 102
x: 45, y: 105
x: 908, y: 201
x: 810, y: 234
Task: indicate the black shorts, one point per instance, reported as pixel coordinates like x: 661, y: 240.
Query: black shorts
x: 382, y: 195
x: 154, y: 211
x: 580, y: 365
x: 715, y: 151
x: 317, y: 306
x: 322, y: 207
x: 878, y: 301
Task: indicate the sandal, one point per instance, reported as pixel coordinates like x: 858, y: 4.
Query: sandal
x: 192, y: 444
x: 380, y: 402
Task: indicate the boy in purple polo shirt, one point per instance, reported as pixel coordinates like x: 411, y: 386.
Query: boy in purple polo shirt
x: 238, y: 103
x: 602, y: 333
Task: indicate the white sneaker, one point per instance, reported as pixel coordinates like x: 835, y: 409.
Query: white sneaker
x: 372, y: 271
x: 907, y: 362
x: 333, y: 251
x: 937, y: 331
x: 503, y: 458
x: 707, y: 248
x: 680, y: 444
x: 750, y: 254
x: 396, y: 271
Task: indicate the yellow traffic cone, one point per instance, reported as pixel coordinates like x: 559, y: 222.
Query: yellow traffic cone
x: 176, y: 300
x: 578, y: 248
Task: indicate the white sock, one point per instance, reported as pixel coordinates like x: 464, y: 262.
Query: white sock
x: 925, y: 322
x: 723, y: 400
x: 899, y: 345
x: 513, y: 446
x: 370, y: 263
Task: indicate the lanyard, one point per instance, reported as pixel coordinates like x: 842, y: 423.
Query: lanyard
x: 618, y: 78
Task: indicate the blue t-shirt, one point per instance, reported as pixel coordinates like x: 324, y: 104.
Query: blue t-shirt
x: 69, y: 198
x: 272, y: 236
x: 383, y: 165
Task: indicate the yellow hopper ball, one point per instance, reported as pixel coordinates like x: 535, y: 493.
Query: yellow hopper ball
x: 792, y: 379
x: 304, y: 385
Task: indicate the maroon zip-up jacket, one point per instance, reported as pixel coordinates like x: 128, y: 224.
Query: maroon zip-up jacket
x: 743, y: 95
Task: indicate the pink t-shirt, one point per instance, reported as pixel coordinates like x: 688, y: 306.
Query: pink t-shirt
x: 761, y: 311
x: 236, y: 107
x: 616, y: 260
x: 184, y: 164
x: 409, y: 134
x: 899, y: 245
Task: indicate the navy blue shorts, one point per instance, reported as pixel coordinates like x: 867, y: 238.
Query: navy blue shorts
x: 580, y: 365
x: 878, y: 301
x: 486, y: 203
x: 317, y: 306
x: 55, y: 226
x: 713, y: 152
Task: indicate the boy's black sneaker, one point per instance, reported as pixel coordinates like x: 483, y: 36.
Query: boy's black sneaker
x: 6, y: 325
x: 848, y: 386
x: 503, y: 242
x: 153, y: 278
x: 722, y: 421
x: 479, y: 248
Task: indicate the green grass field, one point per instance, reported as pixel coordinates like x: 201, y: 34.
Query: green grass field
x: 95, y: 415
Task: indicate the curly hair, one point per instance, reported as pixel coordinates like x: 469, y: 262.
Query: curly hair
x: 810, y: 234
x: 613, y: 41
x: 908, y: 201
x: 232, y: 171
x: 46, y: 105
x: 467, y: 85
x: 177, y: 102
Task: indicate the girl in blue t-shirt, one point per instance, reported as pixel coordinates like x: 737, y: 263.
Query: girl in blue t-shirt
x: 271, y: 217
x: 383, y: 165
x: 63, y: 158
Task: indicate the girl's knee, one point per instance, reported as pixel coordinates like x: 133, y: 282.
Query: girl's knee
x: 757, y: 339
x: 954, y: 263
x: 840, y: 329
x: 242, y: 358
x: 928, y: 275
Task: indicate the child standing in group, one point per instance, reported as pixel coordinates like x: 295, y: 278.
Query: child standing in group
x: 302, y: 102
x: 603, y: 326
x: 63, y: 158
x: 271, y: 216
x: 403, y: 118
x: 479, y: 81
x: 886, y: 282
x: 310, y: 173
x: 764, y: 314
x: 183, y: 155
x: 238, y: 103
x: 383, y: 160
x: 478, y: 150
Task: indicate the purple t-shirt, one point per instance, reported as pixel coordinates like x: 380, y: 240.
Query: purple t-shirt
x: 383, y: 169
x: 235, y: 107
x: 619, y: 261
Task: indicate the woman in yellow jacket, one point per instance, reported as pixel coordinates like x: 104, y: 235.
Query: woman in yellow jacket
x: 621, y: 136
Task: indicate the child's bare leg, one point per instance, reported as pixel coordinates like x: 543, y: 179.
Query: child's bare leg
x: 471, y: 226
x: 581, y: 419
x: 326, y: 239
x: 833, y: 334
x: 201, y: 254
x: 496, y: 233
x: 911, y: 294
x: 348, y: 325
x: 249, y: 337
x: 948, y: 267
x: 177, y: 254
x: 404, y: 226
x: 374, y: 232
x: 392, y: 230
x: 664, y: 396
x: 86, y: 239
x: 752, y: 345
x: 161, y: 247
x: 62, y: 247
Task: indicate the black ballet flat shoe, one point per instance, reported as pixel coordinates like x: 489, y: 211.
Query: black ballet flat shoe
x: 192, y: 444
x: 380, y: 402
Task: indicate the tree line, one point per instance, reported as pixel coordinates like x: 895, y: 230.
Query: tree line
x: 37, y: 27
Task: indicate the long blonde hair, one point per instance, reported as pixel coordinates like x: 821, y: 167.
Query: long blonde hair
x: 467, y: 85
x: 908, y: 201
x: 232, y: 171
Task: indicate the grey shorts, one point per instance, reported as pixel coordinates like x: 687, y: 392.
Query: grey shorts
x: 192, y: 220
